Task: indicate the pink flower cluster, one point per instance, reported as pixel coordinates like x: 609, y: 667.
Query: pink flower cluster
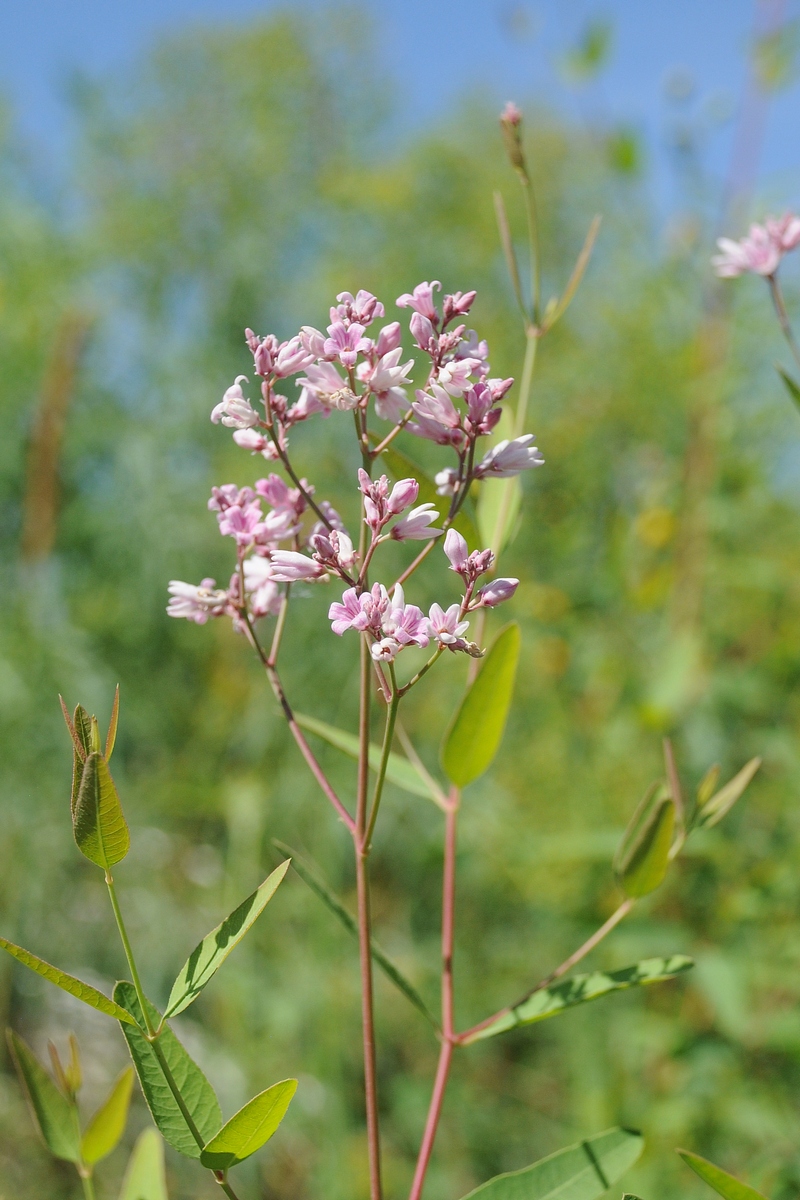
x: 761, y: 250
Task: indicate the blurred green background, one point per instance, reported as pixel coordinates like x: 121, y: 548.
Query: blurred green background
x: 243, y: 178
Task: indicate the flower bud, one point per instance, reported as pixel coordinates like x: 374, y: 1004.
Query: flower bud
x: 456, y: 549
x: 403, y: 495
x: 496, y: 592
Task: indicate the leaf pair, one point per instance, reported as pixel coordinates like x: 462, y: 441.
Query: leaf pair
x: 98, y: 822
x: 55, y: 1113
x: 580, y: 1172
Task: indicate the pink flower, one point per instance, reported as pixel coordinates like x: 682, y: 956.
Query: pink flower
x: 472, y: 347
x: 292, y: 357
x: 511, y: 114
x: 404, y: 623
x: 359, y: 612
x: 437, y: 407
x: 276, y: 493
x: 421, y: 300
x: 313, y: 341
x: 258, y: 443
x: 454, y: 376
x: 757, y: 252
x: 402, y: 495
x: 386, y: 650
x: 263, y: 593
x: 496, y: 592
x: 196, y: 602
x: 417, y: 526
x: 458, y: 305
x: 445, y: 627
x: 391, y: 404
x: 243, y: 524
x: 326, y: 385
x: 234, y: 410
x: 288, y: 566
x: 345, y: 341
x: 277, y: 526
x: 456, y: 549
x: 223, y: 497
x: 362, y: 308
x: 784, y: 231
x: 508, y: 458
x: 333, y: 549
x: 424, y: 333
x: 470, y: 566
x: 387, y: 372
x: 446, y: 481
x: 388, y: 339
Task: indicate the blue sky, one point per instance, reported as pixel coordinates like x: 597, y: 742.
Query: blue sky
x: 436, y: 51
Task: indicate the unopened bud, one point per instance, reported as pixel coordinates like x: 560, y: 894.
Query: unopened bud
x: 511, y: 125
x: 642, y: 857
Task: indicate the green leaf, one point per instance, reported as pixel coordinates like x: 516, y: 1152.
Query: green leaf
x: 52, y: 1113
x: 400, y: 771
x: 579, y: 989
x: 791, y: 387
x: 108, y: 1123
x: 476, y: 731
x: 144, y: 1176
x: 197, y: 1092
x: 329, y: 898
x: 83, y: 728
x: 99, y: 825
x: 400, y: 466
x: 580, y: 1172
x: 111, y: 736
x: 721, y: 804
x: 207, y: 957
x: 727, y: 1185
x: 82, y: 991
x: 642, y: 857
x: 249, y: 1128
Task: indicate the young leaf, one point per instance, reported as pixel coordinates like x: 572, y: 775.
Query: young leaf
x: 400, y: 466
x: 197, y: 1092
x: 111, y: 736
x: 475, y: 733
x: 101, y: 832
x: 791, y: 387
x: 83, y: 728
x: 727, y: 1185
x: 578, y: 989
x: 334, y: 904
x: 249, y: 1128
x: 642, y: 857
x: 707, y: 785
x: 206, y: 958
x: 82, y: 991
x: 400, y: 771
x: 52, y: 1113
x: 108, y: 1123
x: 144, y: 1175
x: 580, y: 1172
x: 721, y: 804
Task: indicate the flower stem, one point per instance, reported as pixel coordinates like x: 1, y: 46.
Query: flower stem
x: 88, y: 1186
x: 448, y: 1035
x: 388, y: 735
x: 123, y: 933
x: 783, y: 316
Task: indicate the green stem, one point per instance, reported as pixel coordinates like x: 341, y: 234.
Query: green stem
x: 123, y: 933
x: 533, y: 247
x: 388, y: 735
x: 783, y: 316
x: 226, y: 1187
x: 525, y: 382
x: 88, y: 1186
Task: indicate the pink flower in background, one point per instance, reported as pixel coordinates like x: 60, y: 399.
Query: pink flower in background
x: 496, y: 592
x: 508, y: 458
x: 277, y: 526
x: 287, y: 566
x: 276, y: 492
x: 243, y: 524
x: 757, y: 252
x: 458, y: 305
x: 257, y: 443
x: 511, y: 114
x: 235, y: 410
x: 784, y: 231
x: 223, y: 497
x: 446, y: 481
x: 421, y: 300
x: 196, y: 602
x: 444, y: 625
x: 418, y: 525
x: 327, y: 387
x: 437, y: 406
x: 473, y: 347
x: 263, y: 593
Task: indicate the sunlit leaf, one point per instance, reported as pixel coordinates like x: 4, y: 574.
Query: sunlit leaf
x: 101, y: 832
x: 721, y: 804
x: 476, y: 731
x: 642, y: 858
x: 83, y: 728
x: 52, y: 1113
x: 400, y: 466
x: 329, y: 898
x: 145, y: 1178
x: 207, y: 957
x: 726, y: 1185
x: 400, y: 771
x: 249, y: 1128
x: 197, y: 1093
x: 580, y: 1172
x: 578, y: 989
x: 108, y: 1124
x: 68, y: 983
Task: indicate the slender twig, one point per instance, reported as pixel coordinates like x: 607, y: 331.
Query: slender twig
x: 533, y: 246
x: 448, y: 1028
x: 469, y: 1034
x: 280, y: 625
x: 290, y: 471
x: 123, y: 933
x: 418, y: 561
x: 399, y: 427
x: 422, y: 671
x: 783, y: 316
x: 388, y: 735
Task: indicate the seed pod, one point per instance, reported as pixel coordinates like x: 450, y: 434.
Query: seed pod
x: 642, y: 857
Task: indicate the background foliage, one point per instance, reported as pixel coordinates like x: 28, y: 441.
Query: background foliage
x: 244, y: 178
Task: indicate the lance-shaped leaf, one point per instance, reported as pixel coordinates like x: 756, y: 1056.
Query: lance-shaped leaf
x: 195, y: 1090
x: 727, y: 1185
x: 642, y: 857
x: 476, y: 731
x: 721, y: 804
x: 579, y: 989
x: 68, y: 983
x: 145, y: 1178
x: 108, y: 1124
x: 791, y: 387
x: 708, y: 785
x: 400, y: 771
x: 207, y: 957
x: 101, y: 832
x: 400, y: 466
x: 329, y: 898
x: 580, y: 1172
x: 52, y: 1113
x: 249, y: 1128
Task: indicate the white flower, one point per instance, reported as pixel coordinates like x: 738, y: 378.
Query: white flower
x: 234, y: 410
x: 509, y: 458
